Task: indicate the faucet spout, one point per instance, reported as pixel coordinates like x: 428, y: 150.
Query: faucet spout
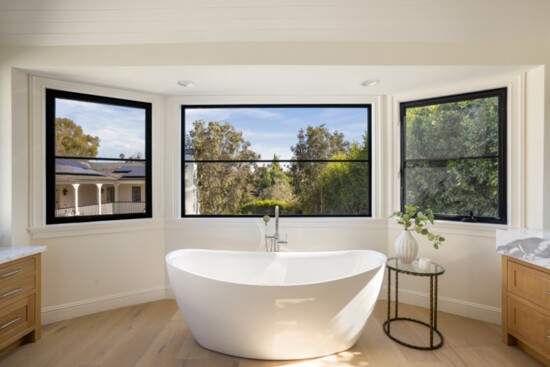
x: 275, y: 241
x: 277, y: 221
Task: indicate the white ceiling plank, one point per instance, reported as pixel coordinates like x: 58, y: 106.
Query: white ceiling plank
x: 109, y: 22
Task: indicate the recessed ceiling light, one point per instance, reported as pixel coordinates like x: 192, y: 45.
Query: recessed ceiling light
x: 370, y: 82
x: 186, y: 83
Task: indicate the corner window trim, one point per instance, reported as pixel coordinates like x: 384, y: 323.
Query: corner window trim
x: 501, y: 94
x: 50, y: 97
x: 368, y: 161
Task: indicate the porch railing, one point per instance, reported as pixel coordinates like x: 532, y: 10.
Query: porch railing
x: 119, y: 207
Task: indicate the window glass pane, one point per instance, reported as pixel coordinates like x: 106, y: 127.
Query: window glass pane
x: 215, y: 188
x: 274, y: 130
x: 308, y: 160
x: 88, y: 129
x: 453, y: 156
x: 98, y: 158
x: 466, y: 128
x: 455, y: 187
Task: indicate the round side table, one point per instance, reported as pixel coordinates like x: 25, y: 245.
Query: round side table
x: 433, y: 271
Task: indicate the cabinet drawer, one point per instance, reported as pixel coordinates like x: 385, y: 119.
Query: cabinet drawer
x: 16, y: 319
x: 16, y: 269
x: 529, y: 283
x: 15, y: 289
x: 529, y: 325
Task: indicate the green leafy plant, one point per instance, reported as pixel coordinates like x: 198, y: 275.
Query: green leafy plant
x: 415, y: 220
x: 268, y: 206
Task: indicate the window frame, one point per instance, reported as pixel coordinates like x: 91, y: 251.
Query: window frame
x: 51, y: 94
x: 502, y: 95
x: 368, y: 106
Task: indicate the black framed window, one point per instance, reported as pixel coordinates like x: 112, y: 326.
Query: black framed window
x: 98, y: 158
x: 310, y: 160
x: 453, y: 156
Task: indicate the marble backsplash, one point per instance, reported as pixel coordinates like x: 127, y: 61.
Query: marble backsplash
x: 531, y: 246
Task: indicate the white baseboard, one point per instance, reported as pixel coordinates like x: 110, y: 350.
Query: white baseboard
x: 457, y: 307
x: 169, y: 294
x: 90, y: 306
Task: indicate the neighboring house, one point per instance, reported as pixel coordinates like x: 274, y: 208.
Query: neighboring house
x: 97, y: 188
x: 81, y: 186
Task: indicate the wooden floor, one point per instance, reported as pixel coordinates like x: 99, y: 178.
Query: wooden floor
x: 154, y: 334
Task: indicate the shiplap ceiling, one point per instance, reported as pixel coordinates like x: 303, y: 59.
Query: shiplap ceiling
x: 118, y: 22
x: 104, y: 22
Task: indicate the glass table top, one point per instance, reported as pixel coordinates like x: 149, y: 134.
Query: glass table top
x: 417, y: 267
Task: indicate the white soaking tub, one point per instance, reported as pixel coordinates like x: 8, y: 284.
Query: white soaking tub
x: 285, y: 305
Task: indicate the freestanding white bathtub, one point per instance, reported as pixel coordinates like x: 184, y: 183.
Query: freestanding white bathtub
x: 285, y: 305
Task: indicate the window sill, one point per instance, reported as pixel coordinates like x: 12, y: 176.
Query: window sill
x: 459, y: 228
x: 94, y: 228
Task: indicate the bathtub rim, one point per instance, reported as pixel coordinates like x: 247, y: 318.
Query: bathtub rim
x: 172, y: 254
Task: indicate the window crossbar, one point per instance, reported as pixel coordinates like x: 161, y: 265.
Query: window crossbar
x: 277, y: 161
x: 447, y: 160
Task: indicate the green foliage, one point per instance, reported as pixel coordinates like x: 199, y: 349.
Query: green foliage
x: 305, y: 188
x: 345, y: 185
x: 268, y: 207
x: 467, y: 130
x: 272, y: 183
x: 416, y: 220
x: 315, y: 143
x: 223, y: 188
x: 71, y: 141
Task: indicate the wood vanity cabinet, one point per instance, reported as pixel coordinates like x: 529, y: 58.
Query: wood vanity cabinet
x: 19, y: 302
x: 526, y: 307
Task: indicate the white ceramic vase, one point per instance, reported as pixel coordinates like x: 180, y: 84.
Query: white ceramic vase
x: 406, y: 248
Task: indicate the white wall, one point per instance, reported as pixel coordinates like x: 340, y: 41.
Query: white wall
x: 90, y: 273
x: 102, y: 266
x: 5, y: 154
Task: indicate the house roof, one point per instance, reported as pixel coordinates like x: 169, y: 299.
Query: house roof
x: 74, y: 167
x: 105, y: 170
x: 130, y: 171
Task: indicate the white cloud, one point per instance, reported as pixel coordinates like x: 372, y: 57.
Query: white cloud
x: 120, y: 129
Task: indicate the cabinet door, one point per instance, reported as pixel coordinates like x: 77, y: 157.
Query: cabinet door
x: 529, y: 325
x: 17, y: 320
x: 530, y: 284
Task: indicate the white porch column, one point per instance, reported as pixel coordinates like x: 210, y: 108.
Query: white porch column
x: 99, y: 198
x: 75, y: 188
x: 115, y: 200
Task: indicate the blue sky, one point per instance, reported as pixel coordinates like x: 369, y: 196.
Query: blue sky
x: 274, y: 130
x: 120, y: 129
x: 270, y: 130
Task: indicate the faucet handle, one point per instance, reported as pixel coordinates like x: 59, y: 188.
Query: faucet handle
x: 283, y: 244
x: 266, y: 218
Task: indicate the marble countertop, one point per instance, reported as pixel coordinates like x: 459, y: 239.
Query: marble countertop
x: 532, y: 246
x: 8, y: 253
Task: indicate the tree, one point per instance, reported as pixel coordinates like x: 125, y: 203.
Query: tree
x: 453, y: 148
x: 345, y: 185
x: 71, y: 141
x: 273, y: 183
x: 226, y: 180
x: 137, y: 155
x: 314, y: 144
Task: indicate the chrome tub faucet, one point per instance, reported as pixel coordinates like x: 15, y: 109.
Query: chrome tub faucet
x: 275, y: 238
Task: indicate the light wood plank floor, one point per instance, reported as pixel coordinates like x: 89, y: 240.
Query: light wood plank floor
x: 154, y: 334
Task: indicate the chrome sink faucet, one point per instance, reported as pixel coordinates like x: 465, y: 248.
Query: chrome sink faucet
x: 275, y: 239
